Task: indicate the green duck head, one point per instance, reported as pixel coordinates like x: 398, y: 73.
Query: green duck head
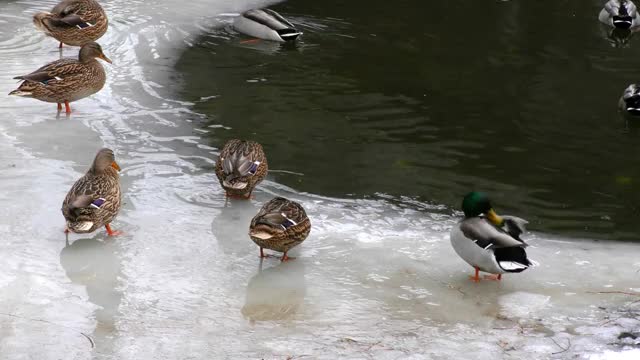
x: 477, y: 203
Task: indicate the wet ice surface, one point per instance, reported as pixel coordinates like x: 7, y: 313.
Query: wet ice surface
x: 375, y: 279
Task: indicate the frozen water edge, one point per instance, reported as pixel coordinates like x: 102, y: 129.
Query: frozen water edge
x: 374, y: 280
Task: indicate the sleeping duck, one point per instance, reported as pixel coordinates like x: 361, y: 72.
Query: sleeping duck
x: 266, y: 24
x: 94, y: 200
x: 630, y: 100
x: 241, y: 166
x: 280, y: 225
x: 621, y: 14
x: 489, y: 242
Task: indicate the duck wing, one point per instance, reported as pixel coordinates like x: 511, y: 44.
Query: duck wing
x: 280, y: 212
x: 487, y: 236
x: 67, y: 14
x: 268, y: 18
x: 56, y: 70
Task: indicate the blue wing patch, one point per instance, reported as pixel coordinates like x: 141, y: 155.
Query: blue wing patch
x: 97, y: 203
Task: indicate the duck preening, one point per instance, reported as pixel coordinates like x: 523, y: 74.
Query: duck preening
x: 630, y: 100
x: 240, y: 167
x: 489, y: 242
x: 66, y: 80
x: 266, y: 24
x: 94, y: 200
x: 280, y: 225
x: 73, y: 22
x: 621, y: 14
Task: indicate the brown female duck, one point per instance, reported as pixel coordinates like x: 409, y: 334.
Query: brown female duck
x: 280, y: 225
x: 94, y: 200
x: 66, y: 80
x: 240, y: 167
x: 73, y: 22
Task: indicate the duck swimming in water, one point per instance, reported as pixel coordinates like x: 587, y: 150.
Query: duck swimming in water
x: 630, y: 100
x: 266, y: 24
x: 489, y: 242
x: 621, y: 14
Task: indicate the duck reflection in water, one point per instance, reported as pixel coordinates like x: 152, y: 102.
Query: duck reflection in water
x: 230, y: 227
x: 276, y: 293
x: 94, y: 264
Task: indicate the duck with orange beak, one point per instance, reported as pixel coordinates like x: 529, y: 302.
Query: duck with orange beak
x: 66, y: 80
x: 94, y: 200
x: 489, y: 242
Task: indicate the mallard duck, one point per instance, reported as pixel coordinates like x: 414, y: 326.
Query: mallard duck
x: 66, y: 80
x: 94, y: 200
x: 621, y: 14
x: 240, y: 167
x: 630, y: 100
x: 280, y: 225
x: 73, y: 22
x: 489, y: 243
x: 266, y: 24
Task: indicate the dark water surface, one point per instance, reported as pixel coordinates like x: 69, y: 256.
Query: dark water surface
x: 429, y: 100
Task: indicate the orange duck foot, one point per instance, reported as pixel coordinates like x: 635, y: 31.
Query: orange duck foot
x: 112, y: 232
x: 494, y: 277
x: 476, y: 277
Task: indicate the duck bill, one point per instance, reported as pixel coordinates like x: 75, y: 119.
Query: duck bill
x: 115, y: 165
x: 494, y: 218
x: 105, y: 58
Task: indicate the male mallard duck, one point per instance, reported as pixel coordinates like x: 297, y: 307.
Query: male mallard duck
x: 266, y: 24
x: 66, y: 80
x: 630, y: 100
x: 240, y: 167
x: 73, y: 22
x: 280, y: 225
x: 621, y: 14
x: 94, y: 200
x: 489, y: 243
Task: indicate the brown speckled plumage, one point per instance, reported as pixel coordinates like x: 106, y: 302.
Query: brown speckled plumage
x: 241, y: 166
x: 100, y: 182
x: 66, y: 80
x: 73, y: 22
x: 280, y: 225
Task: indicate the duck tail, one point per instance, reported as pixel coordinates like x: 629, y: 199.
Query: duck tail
x: 513, y: 259
x: 22, y: 93
x: 289, y: 34
x: 39, y: 20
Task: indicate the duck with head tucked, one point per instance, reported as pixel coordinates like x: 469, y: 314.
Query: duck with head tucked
x: 280, y: 225
x: 73, y: 22
x: 66, y: 80
x: 241, y: 166
x: 489, y: 242
x: 621, y: 14
x: 94, y: 200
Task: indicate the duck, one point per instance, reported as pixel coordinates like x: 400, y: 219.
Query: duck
x: 73, y: 22
x: 66, y: 80
x: 630, y: 100
x: 94, y: 200
x: 241, y: 166
x: 266, y: 24
x: 621, y: 14
x: 487, y: 241
x: 280, y: 225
